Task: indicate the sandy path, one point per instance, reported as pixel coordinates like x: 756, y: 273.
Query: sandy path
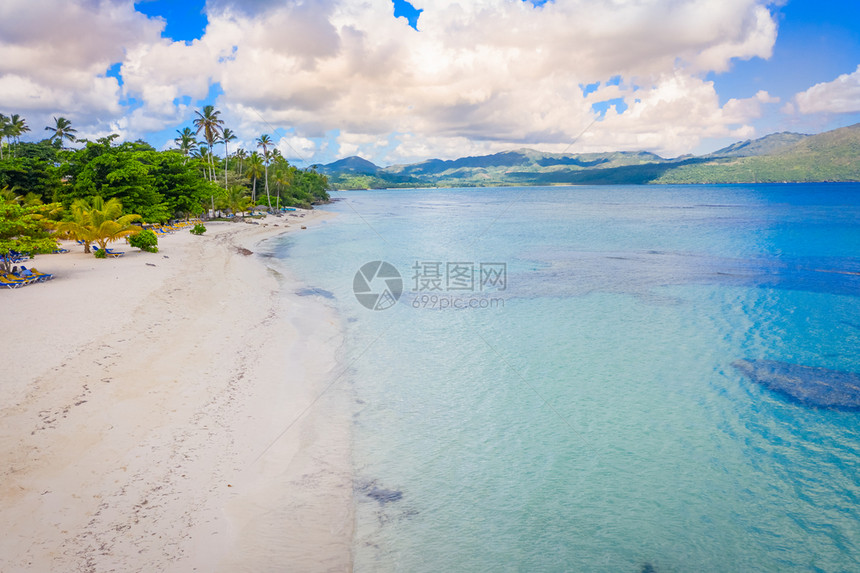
x: 138, y: 399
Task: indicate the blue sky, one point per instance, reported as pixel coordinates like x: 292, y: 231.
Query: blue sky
x: 817, y: 42
x: 397, y: 81
x: 185, y: 19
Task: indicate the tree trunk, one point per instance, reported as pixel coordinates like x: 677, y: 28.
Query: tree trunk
x: 268, y: 197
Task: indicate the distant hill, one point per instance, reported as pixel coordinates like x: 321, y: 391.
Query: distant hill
x: 766, y: 145
x: 352, y: 164
x: 829, y: 156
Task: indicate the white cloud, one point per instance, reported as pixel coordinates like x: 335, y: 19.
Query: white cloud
x: 485, y: 72
x: 54, y: 56
x: 842, y: 95
x: 481, y: 74
x: 672, y: 117
x: 296, y: 148
x: 360, y: 144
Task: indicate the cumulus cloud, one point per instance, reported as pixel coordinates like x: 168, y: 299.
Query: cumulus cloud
x: 481, y: 74
x: 673, y: 116
x: 842, y: 95
x: 55, y: 54
x: 297, y: 149
x: 485, y: 72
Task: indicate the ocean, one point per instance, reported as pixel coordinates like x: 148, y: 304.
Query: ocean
x: 553, y: 379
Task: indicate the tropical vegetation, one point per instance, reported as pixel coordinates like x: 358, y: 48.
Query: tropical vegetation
x: 98, y: 221
x: 146, y: 240
x: 24, y: 230
x: 103, y: 190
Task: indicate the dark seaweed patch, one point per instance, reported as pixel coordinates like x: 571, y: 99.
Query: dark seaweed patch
x: 315, y: 292
x: 806, y: 385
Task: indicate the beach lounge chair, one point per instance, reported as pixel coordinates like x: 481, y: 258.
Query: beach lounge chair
x: 15, y: 275
x: 41, y: 277
x: 25, y: 276
x: 109, y: 252
x: 7, y: 282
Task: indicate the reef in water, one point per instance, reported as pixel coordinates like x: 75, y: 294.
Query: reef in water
x: 807, y: 385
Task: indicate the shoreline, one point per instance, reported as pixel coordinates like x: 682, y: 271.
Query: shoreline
x: 140, y: 405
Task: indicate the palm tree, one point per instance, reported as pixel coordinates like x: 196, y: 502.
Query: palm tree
x: 11, y: 128
x: 210, y: 124
x: 265, y: 141
x: 201, y: 154
x: 98, y: 222
x: 255, y: 169
x: 9, y: 196
x: 187, y: 142
x: 236, y: 200
x: 18, y: 126
x: 285, y: 176
x: 5, y: 131
x: 226, y: 137
x: 62, y: 130
x: 241, y: 155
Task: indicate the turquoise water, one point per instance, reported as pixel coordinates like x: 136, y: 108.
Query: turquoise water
x: 589, y: 417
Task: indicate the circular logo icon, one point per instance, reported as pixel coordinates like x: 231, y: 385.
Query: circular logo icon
x: 377, y: 285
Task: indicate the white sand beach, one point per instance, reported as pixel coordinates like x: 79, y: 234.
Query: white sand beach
x: 151, y: 413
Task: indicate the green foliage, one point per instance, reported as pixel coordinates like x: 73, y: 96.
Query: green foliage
x: 234, y: 198
x: 24, y: 229
x: 186, y: 142
x: 28, y: 200
x: 212, y: 126
x: 100, y: 254
x: 12, y: 128
x: 61, y: 130
x: 98, y: 221
x: 297, y: 187
x: 198, y: 229
x: 146, y: 240
x: 32, y: 170
x: 829, y: 156
x: 156, y: 185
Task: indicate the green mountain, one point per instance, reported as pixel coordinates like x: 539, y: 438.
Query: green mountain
x: 830, y: 156
x: 767, y: 145
x: 353, y: 164
x: 779, y: 157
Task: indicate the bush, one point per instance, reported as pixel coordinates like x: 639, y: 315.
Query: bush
x: 146, y: 240
x: 100, y: 253
x: 198, y: 229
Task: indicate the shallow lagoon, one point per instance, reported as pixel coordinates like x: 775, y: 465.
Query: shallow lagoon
x: 593, y: 420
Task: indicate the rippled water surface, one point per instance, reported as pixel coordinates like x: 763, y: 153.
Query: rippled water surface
x: 585, y: 414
